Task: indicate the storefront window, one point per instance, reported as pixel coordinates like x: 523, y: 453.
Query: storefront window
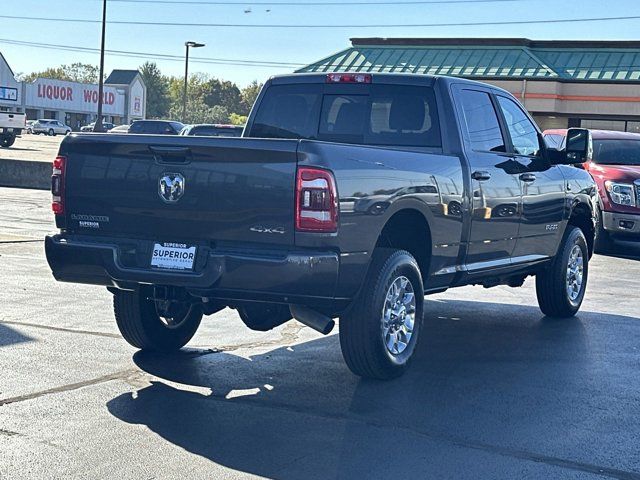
x: 633, y: 127
x: 616, y: 125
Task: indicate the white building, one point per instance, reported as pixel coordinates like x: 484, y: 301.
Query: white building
x: 74, y: 103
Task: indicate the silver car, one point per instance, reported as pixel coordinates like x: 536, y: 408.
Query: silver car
x: 50, y: 127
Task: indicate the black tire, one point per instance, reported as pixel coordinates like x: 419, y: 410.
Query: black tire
x: 552, y: 284
x: 7, y: 141
x: 264, y: 316
x: 51, y: 132
x: 141, y: 326
x: 602, y: 243
x: 361, y: 329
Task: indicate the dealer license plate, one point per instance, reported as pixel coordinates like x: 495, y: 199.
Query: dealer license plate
x: 173, y: 256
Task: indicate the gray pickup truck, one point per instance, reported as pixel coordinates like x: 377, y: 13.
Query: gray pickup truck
x: 349, y: 195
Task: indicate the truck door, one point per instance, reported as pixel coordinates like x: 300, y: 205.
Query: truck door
x: 543, y: 190
x: 496, y: 192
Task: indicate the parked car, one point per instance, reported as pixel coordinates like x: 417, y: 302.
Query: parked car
x: 119, y: 129
x: 50, y: 127
x: 213, y: 130
x: 106, y: 126
x: 156, y: 127
x: 11, y: 126
x: 181, y: 227
x: 29, y: 126
x: 615, y: 167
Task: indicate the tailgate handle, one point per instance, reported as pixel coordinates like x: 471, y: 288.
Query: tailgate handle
x: 171, y: 154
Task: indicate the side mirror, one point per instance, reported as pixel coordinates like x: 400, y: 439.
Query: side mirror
x: 579, y: 146
x: 578, y: 150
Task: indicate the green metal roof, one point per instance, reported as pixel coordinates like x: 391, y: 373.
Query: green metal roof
x: 489, y: 58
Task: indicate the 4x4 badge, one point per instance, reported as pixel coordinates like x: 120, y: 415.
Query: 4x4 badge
x: 171, y: 187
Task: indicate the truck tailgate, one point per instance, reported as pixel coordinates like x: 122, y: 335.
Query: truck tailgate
x: 172, y: 189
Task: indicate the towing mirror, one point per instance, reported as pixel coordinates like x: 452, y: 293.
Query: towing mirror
x: 578, y: 150
x: 579, y: 146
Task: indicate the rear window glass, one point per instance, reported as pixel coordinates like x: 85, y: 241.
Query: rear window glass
x: 380, y: 115
x: 215, y: 132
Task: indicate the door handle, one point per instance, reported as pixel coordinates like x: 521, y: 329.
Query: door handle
x: 528, y: 177
x: 481, y: 175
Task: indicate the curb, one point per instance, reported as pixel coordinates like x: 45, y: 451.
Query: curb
x: 25, y: 174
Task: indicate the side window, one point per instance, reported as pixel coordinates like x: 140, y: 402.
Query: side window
x: 524, y: 135
x: 482, y: 121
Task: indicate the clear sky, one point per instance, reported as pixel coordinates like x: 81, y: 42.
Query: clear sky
x: 299, y: 45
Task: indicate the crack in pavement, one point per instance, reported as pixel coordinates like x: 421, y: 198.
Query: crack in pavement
x: 289, y: 334
x: 5, y: 242
x: 120, y: 375
x: 60, y: 329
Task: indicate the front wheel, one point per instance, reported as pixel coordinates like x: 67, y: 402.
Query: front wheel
x: 379, y: 332
x: 155, y: 325
x: 51, y: 132
x: 561, y: 287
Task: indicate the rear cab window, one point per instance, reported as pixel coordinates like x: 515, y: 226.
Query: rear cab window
x: 375, y: 114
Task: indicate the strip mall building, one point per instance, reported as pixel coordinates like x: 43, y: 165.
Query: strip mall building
x: 592, y: 84
x: 75, y: 104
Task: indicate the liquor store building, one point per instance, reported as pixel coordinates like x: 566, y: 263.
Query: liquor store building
x: 74, y: 103
x: 591, y: 84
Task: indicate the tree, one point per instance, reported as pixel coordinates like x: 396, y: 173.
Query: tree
x: 76, y: 72
x: 223, y: 93
x: 249, y: 95
x: 158, y: 101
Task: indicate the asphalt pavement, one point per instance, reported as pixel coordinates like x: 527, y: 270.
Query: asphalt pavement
x: 496, y: 390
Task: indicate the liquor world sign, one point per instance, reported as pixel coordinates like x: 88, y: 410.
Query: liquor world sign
x: 73, y: 97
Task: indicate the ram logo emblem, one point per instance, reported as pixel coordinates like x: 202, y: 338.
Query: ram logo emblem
x: 171, y: 187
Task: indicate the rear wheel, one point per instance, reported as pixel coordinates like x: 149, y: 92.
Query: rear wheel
x: 379, y: 333
x: 51, y: 132
x: 561, y: 288
x: 7, y: 141
x: 155, y: 325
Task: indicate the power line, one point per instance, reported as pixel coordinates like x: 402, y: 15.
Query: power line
x: 314, y: 4
x: 323, y: 26
x: 159, y: 56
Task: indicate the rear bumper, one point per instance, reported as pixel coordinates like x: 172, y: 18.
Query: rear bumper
x: 621, y: 223
x: 283, y: 276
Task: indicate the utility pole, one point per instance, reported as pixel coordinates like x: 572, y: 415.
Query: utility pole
x: 98, y: 125
x: 186, y: 76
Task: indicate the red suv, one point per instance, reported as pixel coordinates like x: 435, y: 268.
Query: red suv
x: 615, y: 166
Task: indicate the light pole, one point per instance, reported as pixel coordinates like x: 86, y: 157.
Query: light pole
x: 186, y: 76
x: 98, y: 125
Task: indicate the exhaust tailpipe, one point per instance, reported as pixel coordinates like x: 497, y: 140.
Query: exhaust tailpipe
x: 311, y: 318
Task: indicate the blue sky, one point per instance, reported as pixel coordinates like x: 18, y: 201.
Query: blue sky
x: 281, y: 45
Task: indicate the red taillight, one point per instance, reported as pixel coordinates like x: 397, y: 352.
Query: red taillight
x: 348, y: 78
x: 316, y: 201
x: 57, y: 185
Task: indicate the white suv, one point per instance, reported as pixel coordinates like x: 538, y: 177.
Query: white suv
x: 50, y: 127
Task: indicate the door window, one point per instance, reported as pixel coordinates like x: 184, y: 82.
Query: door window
x: 482, y: 122
x: 524, y: 135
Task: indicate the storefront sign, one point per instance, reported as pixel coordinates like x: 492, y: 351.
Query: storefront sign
x: 73, y: 97
x: 8, y: 93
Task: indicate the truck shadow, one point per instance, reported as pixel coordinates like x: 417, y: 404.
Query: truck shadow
x: 489, y: 382
x: 9, y: 336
